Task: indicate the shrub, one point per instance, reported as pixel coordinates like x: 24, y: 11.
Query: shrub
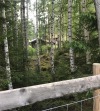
x: 31, y: 51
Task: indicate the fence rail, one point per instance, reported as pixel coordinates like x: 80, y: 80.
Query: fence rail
x: 24, y: 96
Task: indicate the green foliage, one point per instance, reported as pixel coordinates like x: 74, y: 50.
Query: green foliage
x: 45, y: 48
x: 22, y: 79
x: 78, y: 46
x: 3, y: 79
x: 90, y: 20
x: 31, y: 51
x: 31, y: 30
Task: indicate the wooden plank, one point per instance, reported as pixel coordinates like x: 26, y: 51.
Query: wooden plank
x: 28, y: 95
x: 96, y: 102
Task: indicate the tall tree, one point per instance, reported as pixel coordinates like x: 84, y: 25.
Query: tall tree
x: 24, y: 33
x: 60, y: 22
x: 86, y: 32
x: 97, y: 6
x: 48, y: 21
x: 27, y: 18
x: 44, y: 4
x: 59, y: 31
x: 71, y: 52
x: 52, y: 36
x: 37, y: 39
x: 16, y: 30
x: 6, y: 49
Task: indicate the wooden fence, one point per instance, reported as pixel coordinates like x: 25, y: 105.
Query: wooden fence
x: 28, y: 95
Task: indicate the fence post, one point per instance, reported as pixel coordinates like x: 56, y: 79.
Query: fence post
x: 96, y: 101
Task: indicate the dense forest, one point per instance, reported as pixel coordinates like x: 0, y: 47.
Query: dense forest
x: 61, y: 43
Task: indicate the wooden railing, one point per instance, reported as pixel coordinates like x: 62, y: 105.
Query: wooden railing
x: 28, y: 95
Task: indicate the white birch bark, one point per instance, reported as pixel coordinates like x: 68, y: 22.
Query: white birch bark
x: 37, y: 39
x: 86, y: 33
x: 97, y: 6
x: 71, y: 52
x: 44, y: 20
x: 6, y: 49
x: 52, y: 36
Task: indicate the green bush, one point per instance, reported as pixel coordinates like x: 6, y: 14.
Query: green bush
x: 31, y: 51
x: 45, y: 48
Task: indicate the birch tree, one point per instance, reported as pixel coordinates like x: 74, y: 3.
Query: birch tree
x: 37, y: 39
x: 52, y: 36
x: 6, y: 49
x: 71, y: 52
x: 44, y: 10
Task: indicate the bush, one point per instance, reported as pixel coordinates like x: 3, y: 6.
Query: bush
x: 31, y: 51
x: 45, y: 48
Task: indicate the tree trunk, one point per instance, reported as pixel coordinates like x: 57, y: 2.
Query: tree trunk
x: 16, y: 32
x: 59, y: 26
x: 24, y: 34
x: 59, y: 32
x: 37, y: 40
x: 97, y: 6
x: 48, y: 23
x: 6, y: 49
x: 44, y: 21
x: 86, y: 33
x: 62, y: 23
x: 27, y: 17
x: 71, y: 52
x: 52, y: 42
